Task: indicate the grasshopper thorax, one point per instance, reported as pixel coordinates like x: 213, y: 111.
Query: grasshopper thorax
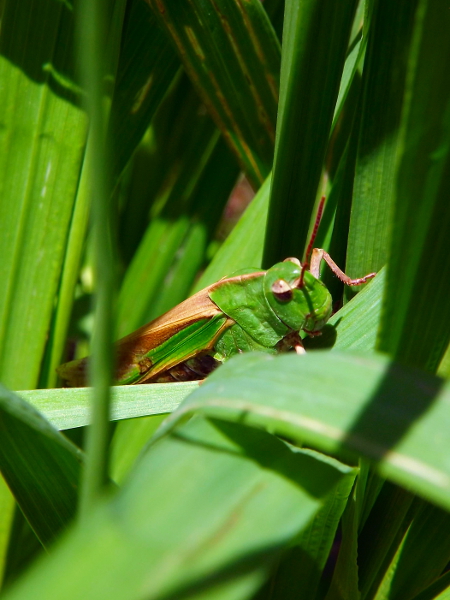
x: 301, y: 302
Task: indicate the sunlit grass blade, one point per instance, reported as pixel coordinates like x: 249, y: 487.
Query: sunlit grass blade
x: 315, y: 41
x: 91, y: 40
x: 219, y: 538
x: 383, y: 89
x: 42, y: 147
x: 416, y: 317
x: 68, y: 408
x: 6, y: 517
x: 241, y: 92
x: 356, y: 325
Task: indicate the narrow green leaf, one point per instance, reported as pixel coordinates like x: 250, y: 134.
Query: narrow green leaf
x: 41, y: 151
x: 67, y: 408
x: 439, y: 590
x: 6, y: 515
x: 241, y: 92
x: 423, y: 555
x: 299, y: 573
x: 384, y: 76
x: 382, y: 534
x: 146, y: 68
x: 91, y: 38
x: 23, y: 549
x: 356, y: 325
x: 344, y: 584
x: 416, y: 303
x: 315, y: 41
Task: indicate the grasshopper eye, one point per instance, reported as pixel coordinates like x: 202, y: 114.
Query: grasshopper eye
x: 282, y: 290
x: 294, y: 260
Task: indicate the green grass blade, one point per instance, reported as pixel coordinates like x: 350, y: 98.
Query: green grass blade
x: 355, y: 326
x: 439, y: 590
x: 40, y: 465
x: 416, y: 304
x: 344, y: 583
x: 146, y: 68
x: 68, y: 408
x: 382, y: 535
x: 42, y: 147
x: 340, y: 402
x: 6, y: 516
x: 384, y: 76
x: 23, y: 549
x: 241, y: 92
x: 184, y: 211
x: 421, y: 557
x: 217, y: 540
x: 309, y: 90
x: 299, y: 573
x: 92, y: 36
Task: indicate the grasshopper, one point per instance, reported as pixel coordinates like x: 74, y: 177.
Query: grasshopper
x: 250, y: 310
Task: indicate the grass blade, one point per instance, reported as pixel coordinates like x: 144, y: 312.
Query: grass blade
x: 241, y: 92
x: 416, y: 303
x: 218, y: 540
x: 309, y: 90
x: 340, y: 403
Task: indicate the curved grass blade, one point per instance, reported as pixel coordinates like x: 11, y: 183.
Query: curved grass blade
x: 340, y: 403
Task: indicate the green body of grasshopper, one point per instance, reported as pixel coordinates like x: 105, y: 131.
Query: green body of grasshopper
x: 256, y: 310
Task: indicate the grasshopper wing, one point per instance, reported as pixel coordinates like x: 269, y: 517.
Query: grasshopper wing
x: 181, y: 333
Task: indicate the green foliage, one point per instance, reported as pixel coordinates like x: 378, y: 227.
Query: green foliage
x: 321, y: 477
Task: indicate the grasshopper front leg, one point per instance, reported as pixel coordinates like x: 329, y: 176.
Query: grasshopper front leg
x: 318, y: 255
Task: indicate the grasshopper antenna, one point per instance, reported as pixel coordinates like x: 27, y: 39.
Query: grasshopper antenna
x: 309, y: 249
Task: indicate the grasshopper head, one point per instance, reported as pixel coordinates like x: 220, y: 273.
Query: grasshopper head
x: 301, y: 301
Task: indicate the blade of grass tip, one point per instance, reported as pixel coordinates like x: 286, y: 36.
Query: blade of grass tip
x: 91, y: 43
